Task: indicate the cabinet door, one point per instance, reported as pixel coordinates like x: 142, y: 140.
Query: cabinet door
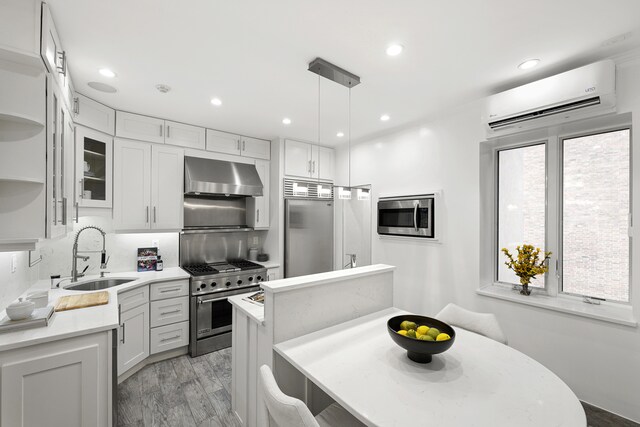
x: 143, y: 128
x: 133, y: 337
x: 94, y: 154
x: 297, y: 158
x: 223, y: 142
x: 94, y: 115
x: 324, y: 164
x: 184, y: 135
x: 168, y: 311
x: 167, y: 190
x: 256, y: 148
x: 69, y: 173
x: 258, y: 207
x: 169, y: 337
x: 51, y: 49
x: 55, y: 161
x: 60, y: 383
x: 131, y: 185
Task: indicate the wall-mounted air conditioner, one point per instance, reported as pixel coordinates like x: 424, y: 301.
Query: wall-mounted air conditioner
x: 584, y: 92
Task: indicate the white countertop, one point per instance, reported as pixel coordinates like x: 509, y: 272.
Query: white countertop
x: 323, y: 278
x: 268, y: 264
x: 253, y: 311
x: 67, y: 324
x: 477, y: 382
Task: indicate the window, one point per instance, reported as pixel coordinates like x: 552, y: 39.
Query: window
x: 569, y: 194
x: 595, y: 215
x: 521, y: 204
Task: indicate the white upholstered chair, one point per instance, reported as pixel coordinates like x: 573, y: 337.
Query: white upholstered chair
x: 481, y: 323
x: 288, y: 411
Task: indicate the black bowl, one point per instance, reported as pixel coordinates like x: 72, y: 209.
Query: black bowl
x: 417, y: 350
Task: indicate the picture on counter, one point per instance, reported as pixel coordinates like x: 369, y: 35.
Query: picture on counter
x: 147, y: 259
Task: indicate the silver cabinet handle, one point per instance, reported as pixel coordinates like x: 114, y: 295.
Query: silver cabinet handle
x: 243, y: 145
x: 164, y: 291
x: 62, y: 68
x: 170, y: 338
x: 168, y: 131
x: 164, y: 313
x: 77, y: 214
x: 258, y: 219
x: 154, y: 215
x: 309, y: 167
x: 122, y: 341
x: 415, y: 216
x: 147, y: 215
x: 64, y: 211
x: 76, y: 106
x: 314, y: 167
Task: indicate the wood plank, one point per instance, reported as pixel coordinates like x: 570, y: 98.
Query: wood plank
x: 180, y: 416
x: 154, y: 411
x: 198, y: 401
x: 183, y: 368
x: 73, y: 302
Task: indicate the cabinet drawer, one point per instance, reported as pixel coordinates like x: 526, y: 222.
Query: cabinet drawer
x: 169, y: 337
x: 133, y: 298
x: 164, y: 290
x: 169, y: 311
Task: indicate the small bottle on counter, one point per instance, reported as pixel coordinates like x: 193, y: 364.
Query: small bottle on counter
x: 159, y: 264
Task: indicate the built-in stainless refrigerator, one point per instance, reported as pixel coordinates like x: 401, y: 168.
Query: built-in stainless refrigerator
x: 308, y: 238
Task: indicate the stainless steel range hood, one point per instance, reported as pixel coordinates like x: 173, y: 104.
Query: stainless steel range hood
x: 216, y: 177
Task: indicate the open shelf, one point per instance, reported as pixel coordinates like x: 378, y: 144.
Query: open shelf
x: 21, y: 179
x: 21, y: 57
x: 18, y: 124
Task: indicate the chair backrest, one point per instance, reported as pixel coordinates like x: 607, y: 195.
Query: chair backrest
x: 285, y: 410
x: 482, y: 323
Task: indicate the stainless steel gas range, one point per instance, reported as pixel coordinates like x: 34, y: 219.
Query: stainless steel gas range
x: 211, y: 285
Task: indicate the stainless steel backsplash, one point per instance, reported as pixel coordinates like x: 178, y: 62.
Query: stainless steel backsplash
x: 213, y: 247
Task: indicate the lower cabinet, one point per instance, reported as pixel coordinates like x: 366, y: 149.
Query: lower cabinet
x: 168, y: 337
x: 63, y: 383
x: 133, y: 338
x: 273, y: 274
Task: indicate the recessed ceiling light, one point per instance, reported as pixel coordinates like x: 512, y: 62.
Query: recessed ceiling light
x: 384, y: 117
x: 216, y: 102
x: 340, y: 134
x: 529, y: 63
x: 107, y: 72
x: 286, y: 121
x: 394, y: 49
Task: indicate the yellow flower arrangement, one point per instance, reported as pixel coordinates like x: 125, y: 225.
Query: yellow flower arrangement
x: 528, y: 264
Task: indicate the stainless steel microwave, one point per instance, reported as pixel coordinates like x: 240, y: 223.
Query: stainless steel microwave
x: 412, y: 216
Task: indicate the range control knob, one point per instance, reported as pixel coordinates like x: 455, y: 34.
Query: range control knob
x: 228, y: 284
x: 251, y: 279
x: 239, y: 282
x: 203, y: 285
x: 213, y: 284
x: 259, y: 278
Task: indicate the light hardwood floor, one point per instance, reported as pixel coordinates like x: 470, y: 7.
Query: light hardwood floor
x: 183, y: 391
x: 196, y: 392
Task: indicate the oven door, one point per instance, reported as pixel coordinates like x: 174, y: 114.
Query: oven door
x: 406, y: 217
x: 214, y: 312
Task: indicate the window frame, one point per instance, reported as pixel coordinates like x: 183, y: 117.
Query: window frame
x: 560, y: 218
x: 496, y: 237
x: 553, y: 138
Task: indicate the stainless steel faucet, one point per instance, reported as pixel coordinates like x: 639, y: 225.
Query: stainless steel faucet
x: 74, y: 258
x: 352, y: 261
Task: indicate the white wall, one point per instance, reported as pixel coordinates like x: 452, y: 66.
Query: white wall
x: 14, y: 284
x: 599, y: 361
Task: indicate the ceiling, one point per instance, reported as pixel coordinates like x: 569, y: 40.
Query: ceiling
x: 253, y: 55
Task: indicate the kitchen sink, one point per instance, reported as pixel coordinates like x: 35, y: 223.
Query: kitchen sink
x: 98, y: 284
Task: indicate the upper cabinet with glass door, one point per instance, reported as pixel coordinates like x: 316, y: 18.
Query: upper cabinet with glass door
x: 94, y: 157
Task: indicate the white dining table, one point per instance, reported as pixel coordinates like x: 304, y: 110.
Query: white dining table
x: 477, y: 382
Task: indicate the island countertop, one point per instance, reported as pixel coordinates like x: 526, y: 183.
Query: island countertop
x: 67, y: 324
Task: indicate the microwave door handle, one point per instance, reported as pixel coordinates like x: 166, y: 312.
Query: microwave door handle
x: 415, y: 216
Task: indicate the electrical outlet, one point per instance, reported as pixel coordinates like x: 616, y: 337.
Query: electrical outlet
x: 154, y: 244
x: 14, y: 263
x: 256, y: 240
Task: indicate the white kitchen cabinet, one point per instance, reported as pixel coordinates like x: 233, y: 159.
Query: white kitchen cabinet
x: 184, y: 135
x: 131, y: 185
x: 308, y: 160
x: 273, y: 274
x: 147, y: 186
x: 60, y: 165
x: 94, y: 115
x: 171, y: 289
x: 223, y: 142
x: 62, y: 383
x: 94, y: 170
x: 167, y: 311
x: 54, y: 55
x: 142, y: 128
x: 256, y: 148
x: 20, y: 22
x: 133, y: 298
x: 258, y: 207
x: 133, y: 337
x: 164, y: 338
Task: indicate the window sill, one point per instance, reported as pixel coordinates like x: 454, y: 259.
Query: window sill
x: 613, y: 313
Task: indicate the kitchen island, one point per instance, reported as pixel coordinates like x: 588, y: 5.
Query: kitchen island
x: 295, y: 307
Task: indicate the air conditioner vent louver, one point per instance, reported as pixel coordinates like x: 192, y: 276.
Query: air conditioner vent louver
x: 294, y: 189
x: 545, y: 112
